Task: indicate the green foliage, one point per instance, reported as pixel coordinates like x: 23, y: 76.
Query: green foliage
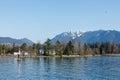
x: 61, y: 48
x: 24, y: 47
x: 36, y: 47
x: 47, y: 47
x: 69, y: 50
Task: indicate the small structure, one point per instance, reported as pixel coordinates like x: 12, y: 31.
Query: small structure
x: 25, y: 53
x: 41, y: 51
x: 17, y: 53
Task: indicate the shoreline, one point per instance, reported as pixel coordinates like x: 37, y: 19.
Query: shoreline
x: 63, y: 56
x: 42, y: 56
x: 111, y: 55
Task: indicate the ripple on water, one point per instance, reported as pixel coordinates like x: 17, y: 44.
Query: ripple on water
x: 93, y: 68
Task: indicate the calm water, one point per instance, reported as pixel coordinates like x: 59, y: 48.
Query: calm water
x: 93, y: 68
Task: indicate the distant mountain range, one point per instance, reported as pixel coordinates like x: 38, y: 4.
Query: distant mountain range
x: 82, y: 37
x: 8, y: 40
x: 66, y: 36
x: 88, y: 37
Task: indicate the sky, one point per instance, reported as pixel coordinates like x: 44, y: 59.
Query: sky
x: 38, y: 20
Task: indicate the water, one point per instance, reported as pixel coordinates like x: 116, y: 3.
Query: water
x: 93, y: 68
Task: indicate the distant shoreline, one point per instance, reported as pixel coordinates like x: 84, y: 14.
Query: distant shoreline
x: 64, y: 56
x: 111, y: 55
x: 40, y: 56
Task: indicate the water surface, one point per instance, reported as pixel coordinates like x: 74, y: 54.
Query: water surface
x: 92, y: 68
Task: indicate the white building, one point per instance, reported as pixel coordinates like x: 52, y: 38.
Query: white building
x: 17, y: 53
x: 25, y: 53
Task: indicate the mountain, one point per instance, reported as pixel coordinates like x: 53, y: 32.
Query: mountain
x: 101, y: 36
x: 66, y: 36
x: 8, y: 40
x: 25, y: 40
x: 89, y: 37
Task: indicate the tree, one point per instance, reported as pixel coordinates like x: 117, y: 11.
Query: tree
x: 79, y: 49
x: 47, y: 47
x: 58, y: 48
x: 24, y: 47
x: 0, y: 49
x: 87, y: 50
x: 101, y: 48
x: 38, y: 47
x: 69, y: 50
x: 34, y: 47
x: 107, y: 47
x: 97, y: 48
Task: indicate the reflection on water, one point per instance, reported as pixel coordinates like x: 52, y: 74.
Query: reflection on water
x: 19, y: 66
x: 93, y: 68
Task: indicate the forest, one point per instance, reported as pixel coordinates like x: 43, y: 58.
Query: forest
x: 62, y: 48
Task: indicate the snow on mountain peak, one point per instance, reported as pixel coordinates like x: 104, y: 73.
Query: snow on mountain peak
x: 89, y: 36
x: 66, y: 36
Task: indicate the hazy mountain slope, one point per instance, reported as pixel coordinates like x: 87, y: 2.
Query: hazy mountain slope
x: 89, y: 37
x: 66, y: 36
x: 101, y: 36
x: 8, y: 40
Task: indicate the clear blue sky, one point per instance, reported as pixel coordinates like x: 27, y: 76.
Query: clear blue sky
x: 42, y: 19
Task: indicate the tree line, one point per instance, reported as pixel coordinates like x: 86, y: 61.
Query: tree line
x: 62, y: 48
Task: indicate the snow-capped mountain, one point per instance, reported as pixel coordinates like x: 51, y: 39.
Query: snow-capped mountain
x: 101, y: 36
x: 66, y: 36
x: 89, y: 37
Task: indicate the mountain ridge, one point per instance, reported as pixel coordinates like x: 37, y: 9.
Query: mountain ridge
x: 89, y: 37
x: 66, y: 36
x: 9, y: 40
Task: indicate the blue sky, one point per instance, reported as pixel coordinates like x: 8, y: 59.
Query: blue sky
x: 42, y: 19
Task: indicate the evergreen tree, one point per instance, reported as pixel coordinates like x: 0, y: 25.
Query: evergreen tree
x: 58, y: 48
x: 79, y: 49
x: 69, y: 50
x: 87, y: 50
x: 24, y: 47
x: 107, y: 47
x: 38, y: 47
x: 48, y: 48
